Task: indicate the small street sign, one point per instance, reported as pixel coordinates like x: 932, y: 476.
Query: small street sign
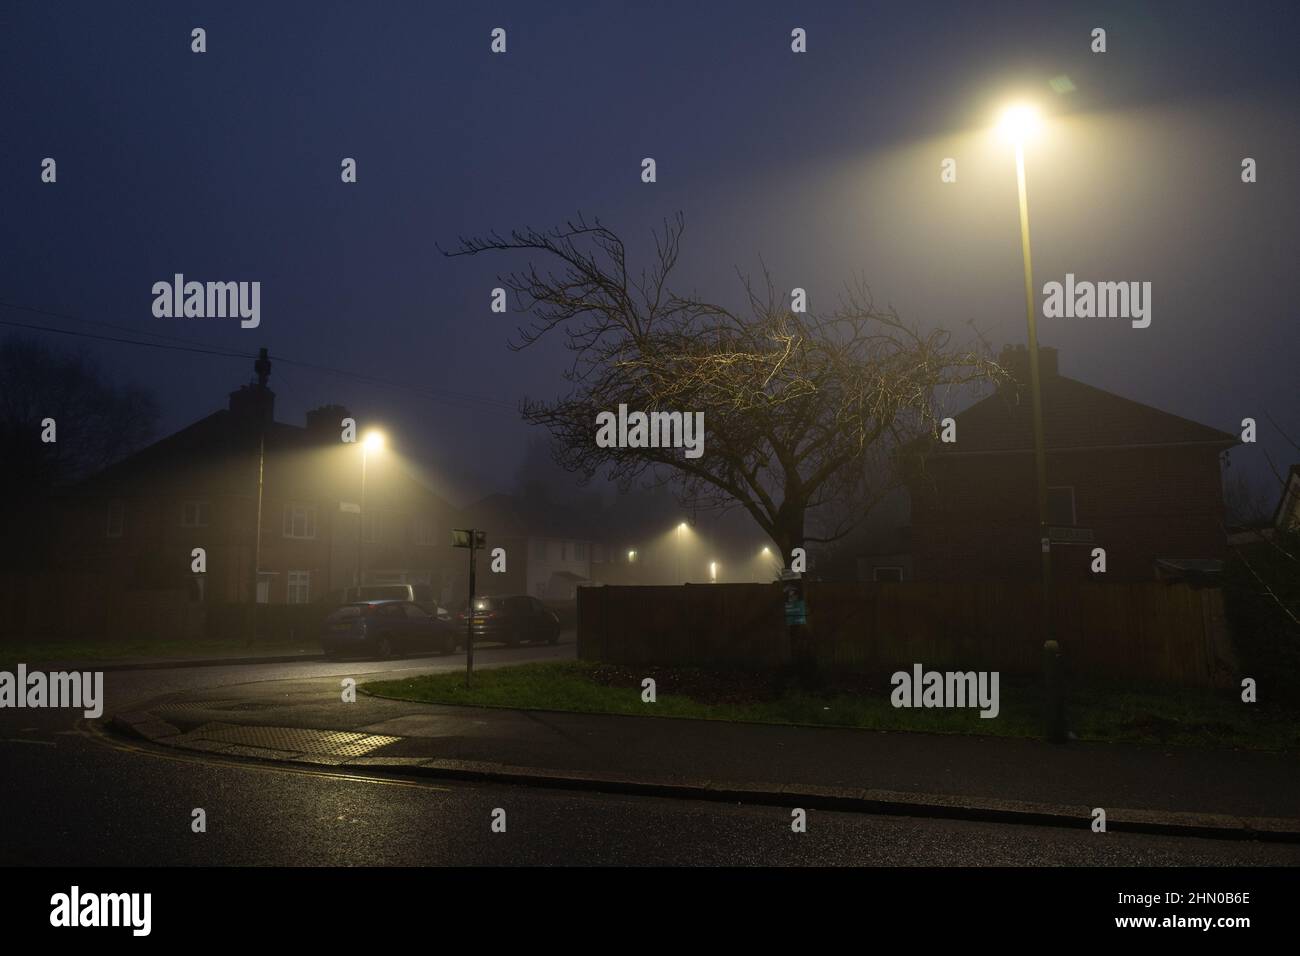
x: 460, y: 538
x: 1070, y: 534
x: 350, y: 507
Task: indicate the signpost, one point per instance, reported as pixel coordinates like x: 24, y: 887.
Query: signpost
x: 473, y: 540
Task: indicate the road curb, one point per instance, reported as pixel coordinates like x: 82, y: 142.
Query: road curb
x: 175, y: 664
x: 147, y: 726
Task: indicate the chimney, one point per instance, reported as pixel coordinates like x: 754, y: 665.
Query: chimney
x: 255, y: 404
x: 1016, y: 361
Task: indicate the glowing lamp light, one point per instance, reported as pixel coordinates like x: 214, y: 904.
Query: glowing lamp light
x: 1019, y: 122
x: 374, y: 441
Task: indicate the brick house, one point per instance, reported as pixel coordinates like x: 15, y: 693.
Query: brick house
x: 1141, y: 483
x: 548, y: 551
x: 134, y: 525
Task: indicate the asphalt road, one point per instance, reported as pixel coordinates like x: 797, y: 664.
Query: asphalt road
x: 74, y: 796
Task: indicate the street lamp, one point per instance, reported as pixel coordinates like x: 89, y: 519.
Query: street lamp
x: 680, y: 529
x: 374, y: 441
x: 713, y: 571
x: 1018, y: 123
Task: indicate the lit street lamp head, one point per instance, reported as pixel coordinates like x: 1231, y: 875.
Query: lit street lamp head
x: 1019, y: 122
x: 374, y: 441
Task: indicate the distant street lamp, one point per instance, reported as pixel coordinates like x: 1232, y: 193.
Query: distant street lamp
x: 1018, y: 123
x: 713, y: 571
x: 680, y: 529
x: 374, y: 441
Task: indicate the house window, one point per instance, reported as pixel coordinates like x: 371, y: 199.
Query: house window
x: 425, y: 530
x: 564, y: 551
x: 299, y: 521
x: 194, y: 514
x: 299, y: 587
x: 539, y: 549
x: 580, y: 550
x: 116, y: 518
x: 1060, y: 506
x: 263, y: 587
x: 891, y: 574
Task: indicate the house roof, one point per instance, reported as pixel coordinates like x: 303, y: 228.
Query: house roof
x: 208, y: 441
x: 1075, y: 415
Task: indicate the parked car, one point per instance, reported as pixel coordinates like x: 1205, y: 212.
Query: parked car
x: 421, y: 594
x: 512, y: 619
x: 382, y: 628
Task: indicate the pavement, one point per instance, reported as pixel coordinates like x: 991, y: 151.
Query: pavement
x: 1164, y: 790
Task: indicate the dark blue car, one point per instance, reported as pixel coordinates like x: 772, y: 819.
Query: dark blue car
x: 385, y: 628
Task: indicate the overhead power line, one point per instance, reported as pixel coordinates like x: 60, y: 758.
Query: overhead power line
x: 177, y: 344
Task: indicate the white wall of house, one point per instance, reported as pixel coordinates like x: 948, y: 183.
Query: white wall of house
x: 549, y: 555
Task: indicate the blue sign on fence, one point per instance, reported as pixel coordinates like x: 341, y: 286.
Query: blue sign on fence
x: 796, y: 612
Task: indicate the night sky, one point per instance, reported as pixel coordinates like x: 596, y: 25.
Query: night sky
x: 825, y: 165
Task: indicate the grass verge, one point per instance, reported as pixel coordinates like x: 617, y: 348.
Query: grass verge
x: 1097, y: 711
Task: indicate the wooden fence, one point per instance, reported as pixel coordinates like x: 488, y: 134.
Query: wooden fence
x: 1147, y: 631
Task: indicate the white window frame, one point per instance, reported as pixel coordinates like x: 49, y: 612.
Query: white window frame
x: 307, y: 511
x: 296, y: 582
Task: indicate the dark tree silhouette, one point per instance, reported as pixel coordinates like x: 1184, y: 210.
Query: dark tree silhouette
x: 800, y: 409
x: 95, y: 421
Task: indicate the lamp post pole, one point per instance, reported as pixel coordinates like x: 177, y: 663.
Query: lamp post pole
x: 1051, y: 649
x: 361, y: 515
x: 679, y: 554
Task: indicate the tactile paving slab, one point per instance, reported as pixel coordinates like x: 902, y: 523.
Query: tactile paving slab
x: 333, y: 743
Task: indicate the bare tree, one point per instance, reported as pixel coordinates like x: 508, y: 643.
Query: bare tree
x: 97, y: 421
x: 94, y: 421
x: 801, y: 410
x: 1246, y: 502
